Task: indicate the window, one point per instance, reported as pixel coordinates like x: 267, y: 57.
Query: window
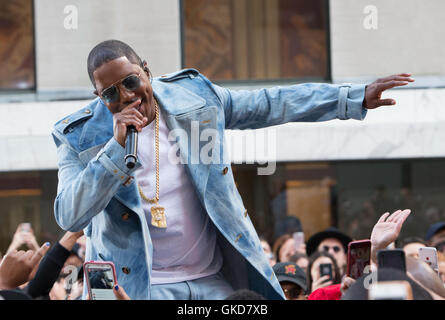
x: 28, y: 197
x: 351, y: 195
x: 17, y: 45
x: 256, y: 39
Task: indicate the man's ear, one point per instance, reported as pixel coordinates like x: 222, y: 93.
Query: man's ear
x: 144, y: 64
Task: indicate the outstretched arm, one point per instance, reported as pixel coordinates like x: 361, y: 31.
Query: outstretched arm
x: 307, y: 102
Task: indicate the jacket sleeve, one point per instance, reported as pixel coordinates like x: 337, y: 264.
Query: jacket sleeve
x: 307, y: 102
x: 48, y: 271
x: 84, y: 191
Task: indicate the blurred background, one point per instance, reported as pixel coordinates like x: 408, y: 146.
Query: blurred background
x: 338, y: 173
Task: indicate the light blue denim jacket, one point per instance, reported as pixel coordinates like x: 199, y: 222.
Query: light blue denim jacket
x: 97, y: 193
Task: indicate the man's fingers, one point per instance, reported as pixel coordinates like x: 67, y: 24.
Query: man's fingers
x: 400, y: 76
x: 397, y: 77
x: 390, y: 84
x: 386, y: 102
x: 38, y: 255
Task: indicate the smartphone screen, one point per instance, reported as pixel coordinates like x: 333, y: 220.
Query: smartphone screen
x: 26, y: 226
x: 298, y: 240
x: 359, y: 256
x: 326, y: 270
x: 100, y: 280
x: 394, y: 259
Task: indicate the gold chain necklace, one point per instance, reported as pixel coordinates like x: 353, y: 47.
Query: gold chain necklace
x: 157, y: 212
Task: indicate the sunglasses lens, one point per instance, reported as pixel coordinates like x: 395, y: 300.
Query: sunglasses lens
x: 110, y: 94
x: 131, y: 83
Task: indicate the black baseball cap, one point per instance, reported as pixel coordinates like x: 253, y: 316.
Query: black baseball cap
x: 289, y: 271
x: 332, y: 232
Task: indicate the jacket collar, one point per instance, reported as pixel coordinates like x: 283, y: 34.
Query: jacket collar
x: 176, y: 99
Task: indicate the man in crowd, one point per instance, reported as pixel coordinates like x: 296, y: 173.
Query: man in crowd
x: 176, y: 228
x: 333, y: 241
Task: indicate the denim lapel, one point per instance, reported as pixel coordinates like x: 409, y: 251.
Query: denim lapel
x: 186, y: 112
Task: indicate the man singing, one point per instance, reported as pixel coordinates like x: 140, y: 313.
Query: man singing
x: 177, y: 229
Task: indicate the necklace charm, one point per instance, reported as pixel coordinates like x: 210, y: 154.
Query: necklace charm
x: 158, y: 217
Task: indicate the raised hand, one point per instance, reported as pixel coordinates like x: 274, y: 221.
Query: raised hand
x: 386, y: 230
x: 24, y: 235
x: 373, y: 93
x: 17, y: 267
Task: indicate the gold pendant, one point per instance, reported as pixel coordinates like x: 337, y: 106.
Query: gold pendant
x: 158, y: 217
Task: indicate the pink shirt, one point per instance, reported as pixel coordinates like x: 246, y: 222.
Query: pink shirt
x: 186, y: 249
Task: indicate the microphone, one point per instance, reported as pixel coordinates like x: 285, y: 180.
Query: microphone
x: 131, y: 147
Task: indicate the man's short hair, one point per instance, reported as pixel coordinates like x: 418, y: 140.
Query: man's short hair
x: 107, y: 51
x: 410, y: 240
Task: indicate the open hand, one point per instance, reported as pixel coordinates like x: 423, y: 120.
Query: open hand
x: 387, y: 230
x: 373, y: 93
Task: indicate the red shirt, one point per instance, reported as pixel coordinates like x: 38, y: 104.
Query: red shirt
x: 327, y: 293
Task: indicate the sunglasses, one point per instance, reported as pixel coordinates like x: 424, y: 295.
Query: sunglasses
x: 111, y: 94
x: 335, y: 248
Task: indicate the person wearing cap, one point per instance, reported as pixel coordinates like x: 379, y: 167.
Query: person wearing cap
x: 292, y: 280
x: 332, y: 241
x: 435, y: 232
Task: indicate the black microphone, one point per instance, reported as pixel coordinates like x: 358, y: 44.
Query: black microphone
x: 131, y: 147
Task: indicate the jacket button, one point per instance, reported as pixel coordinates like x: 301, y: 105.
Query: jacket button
x: 225, y: 170
x: 125, y: 270
x: 125, y: 216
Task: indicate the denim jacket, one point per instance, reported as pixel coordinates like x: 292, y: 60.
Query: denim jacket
x: 98, y: 193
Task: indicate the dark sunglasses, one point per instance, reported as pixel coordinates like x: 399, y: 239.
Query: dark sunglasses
x: 111, y: 94
x: 335, y: 248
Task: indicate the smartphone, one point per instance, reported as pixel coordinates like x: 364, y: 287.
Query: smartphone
x: 26, y: 227
x: 429, y: 256
x: 390, y: 290
x: 359, y: 256
x: 326, y: 270
x: 392, y: 258
x: 100, y: 278
x: 298, y: 240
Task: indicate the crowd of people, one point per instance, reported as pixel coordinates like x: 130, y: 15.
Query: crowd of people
x: 55, y: 272
x: 298, y: 266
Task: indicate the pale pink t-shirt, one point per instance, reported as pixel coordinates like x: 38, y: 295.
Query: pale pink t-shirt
x: 186, y: 249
